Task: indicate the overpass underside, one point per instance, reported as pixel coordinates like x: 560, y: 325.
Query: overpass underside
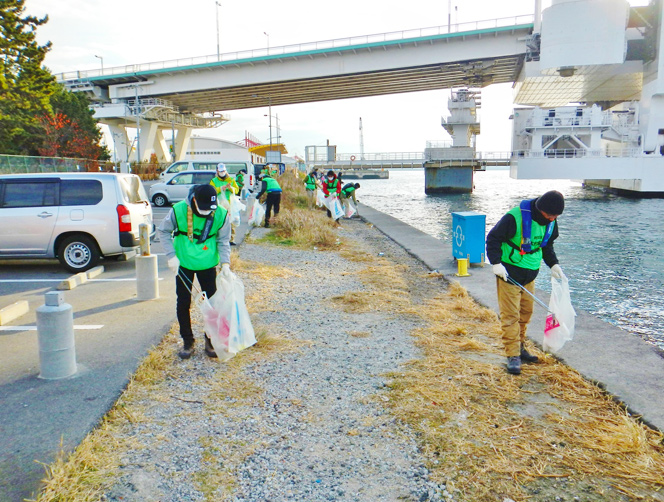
x: 473, y: 73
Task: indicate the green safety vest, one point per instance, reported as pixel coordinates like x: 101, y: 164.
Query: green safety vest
x: 310, y: 182
x: 239, y: 179
x: 272, y: 184
x: 346, y: 192
x: 192, y: 254
x: 219, y: 184
x: 332, y: 185
x: 532, y: 260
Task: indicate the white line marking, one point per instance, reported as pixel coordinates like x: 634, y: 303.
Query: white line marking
x: 60, y: 280
x: 34, y: 328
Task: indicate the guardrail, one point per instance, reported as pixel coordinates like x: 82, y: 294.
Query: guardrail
x: 578, y: 153
x: 279, y: 51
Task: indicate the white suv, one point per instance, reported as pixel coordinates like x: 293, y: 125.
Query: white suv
x: 76, y: 217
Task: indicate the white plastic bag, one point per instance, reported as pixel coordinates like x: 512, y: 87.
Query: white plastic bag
x: 560, y: 330
x: 333, y: 204
x: 320, y: 198
x: 226, y: 319
x: 256, y: 214
x: 236, y: 208
x: 349, y: 209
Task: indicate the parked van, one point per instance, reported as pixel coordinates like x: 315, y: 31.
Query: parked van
x: 75, y: 217
x: 233, y: 167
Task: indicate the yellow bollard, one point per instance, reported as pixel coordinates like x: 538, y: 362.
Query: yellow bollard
x: 462, y: 267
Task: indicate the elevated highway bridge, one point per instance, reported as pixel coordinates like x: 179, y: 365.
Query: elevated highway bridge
x: 195, y: 92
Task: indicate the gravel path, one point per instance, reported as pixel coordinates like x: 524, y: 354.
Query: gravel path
x: 309, y: 424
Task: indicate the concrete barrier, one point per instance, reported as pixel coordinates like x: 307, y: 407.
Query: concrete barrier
x: 11, y: 312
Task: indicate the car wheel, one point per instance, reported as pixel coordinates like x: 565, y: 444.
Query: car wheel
x: 78, y: 253
x: 160, y: 200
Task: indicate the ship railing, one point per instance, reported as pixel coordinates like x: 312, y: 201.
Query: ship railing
x: 573, y: 153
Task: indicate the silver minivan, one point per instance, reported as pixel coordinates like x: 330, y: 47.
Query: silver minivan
x: 75, y: 217
x: 233, y: 168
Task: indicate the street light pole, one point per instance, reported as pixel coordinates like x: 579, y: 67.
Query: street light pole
x: 269, y: 111
x: 268, y: 41
x: 217, y: 5
x: 102, y: 62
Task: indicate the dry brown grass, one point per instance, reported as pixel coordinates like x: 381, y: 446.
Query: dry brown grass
x: 87, y: 473
x: 491, y: 435
x: 305, y: 228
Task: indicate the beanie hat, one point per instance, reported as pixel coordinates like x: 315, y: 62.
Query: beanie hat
x: 551, y: 202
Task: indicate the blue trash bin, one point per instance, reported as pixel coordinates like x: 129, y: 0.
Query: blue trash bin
x: 468, y: 239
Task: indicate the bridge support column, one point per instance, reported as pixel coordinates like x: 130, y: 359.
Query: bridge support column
x: 448, y: 179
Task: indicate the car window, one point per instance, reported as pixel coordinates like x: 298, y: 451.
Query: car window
x: 234, y: 168
x: 30, y: 194
x: 132, y: 190
x: 80, y: 192
x: 207, y: 166
x: 203, y: 178
x: 177, y: 167
x: 183, y: 179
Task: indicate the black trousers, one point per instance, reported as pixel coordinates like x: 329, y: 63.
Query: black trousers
x: 273, y: 201
x: 183, y: 286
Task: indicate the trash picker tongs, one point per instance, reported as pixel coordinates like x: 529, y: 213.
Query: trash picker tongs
x: 540, y: 302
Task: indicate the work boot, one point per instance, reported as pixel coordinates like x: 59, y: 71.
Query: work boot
x: 514, y: 365
x: 527, y: 357
x: 187, y: 350
x: 209, y: 349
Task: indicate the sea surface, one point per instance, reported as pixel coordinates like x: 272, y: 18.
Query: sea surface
x: 610, y: 247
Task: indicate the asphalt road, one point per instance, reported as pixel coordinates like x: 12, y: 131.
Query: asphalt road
x: 38, y: 417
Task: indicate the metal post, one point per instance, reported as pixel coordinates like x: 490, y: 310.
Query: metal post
x: 217, y: 5
x: 269, y: 107
x: 172, y: 141
x: 138, y: 128
x: 102, y: 62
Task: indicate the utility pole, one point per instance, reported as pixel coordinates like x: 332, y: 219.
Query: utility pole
x: 361, y: 141
x: 217, y: 5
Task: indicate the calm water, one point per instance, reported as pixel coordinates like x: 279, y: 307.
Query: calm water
x: 609, y: 246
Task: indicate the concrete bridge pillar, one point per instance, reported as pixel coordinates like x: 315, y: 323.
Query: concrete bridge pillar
x: 448, y: 179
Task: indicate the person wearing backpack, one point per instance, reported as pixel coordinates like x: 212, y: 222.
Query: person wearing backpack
x: 347, y: 193
x: 196, y: 238
x: 515, y: 247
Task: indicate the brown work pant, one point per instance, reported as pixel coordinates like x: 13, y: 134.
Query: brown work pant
x: 516, y: 309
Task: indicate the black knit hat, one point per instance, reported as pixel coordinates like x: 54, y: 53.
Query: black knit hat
x: 551, y: 202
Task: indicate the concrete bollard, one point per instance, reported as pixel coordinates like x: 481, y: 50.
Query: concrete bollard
x: 55, y: 330
x: 147, y: 278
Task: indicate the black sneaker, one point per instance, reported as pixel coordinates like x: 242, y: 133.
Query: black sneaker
x: 233, y: 244
x: 209, y: 349
x: 527, y: 357
x: 186, y: 351
x: 514, y: 365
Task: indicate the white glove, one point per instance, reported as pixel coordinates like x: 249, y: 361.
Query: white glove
x: 174, y: 264
x: 500, y: 271
x: 557, y: 272
x: 225, y: 270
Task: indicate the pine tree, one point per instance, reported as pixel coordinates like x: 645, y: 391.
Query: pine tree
x: 25, y: 84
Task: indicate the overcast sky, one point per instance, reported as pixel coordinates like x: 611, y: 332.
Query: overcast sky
x: 139, y: 31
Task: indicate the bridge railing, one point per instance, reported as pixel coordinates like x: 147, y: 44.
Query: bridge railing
x: 278, y: 51
x: 575, y: 153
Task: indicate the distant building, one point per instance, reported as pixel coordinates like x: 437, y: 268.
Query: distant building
x: 202, y: 148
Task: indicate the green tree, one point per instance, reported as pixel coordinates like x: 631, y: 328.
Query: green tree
x: 25, y: 84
